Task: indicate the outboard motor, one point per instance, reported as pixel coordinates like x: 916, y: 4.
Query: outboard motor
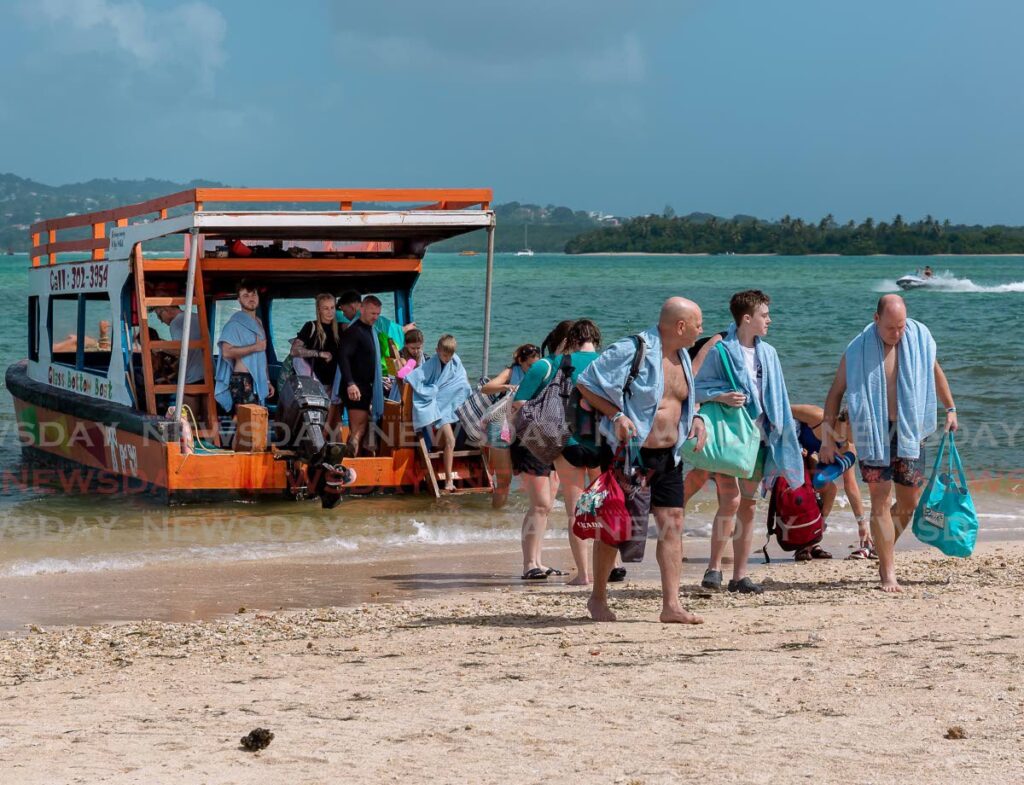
x: 302, y: 409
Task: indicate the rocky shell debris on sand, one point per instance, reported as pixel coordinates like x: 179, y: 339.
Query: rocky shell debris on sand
x: 257, y: 739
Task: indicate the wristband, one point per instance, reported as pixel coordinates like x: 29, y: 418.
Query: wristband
x: 951, y: 410
x: 617, y: 416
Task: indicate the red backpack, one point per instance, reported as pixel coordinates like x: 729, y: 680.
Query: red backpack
x: 794, y: 516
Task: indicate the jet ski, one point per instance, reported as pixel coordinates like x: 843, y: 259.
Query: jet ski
x: 912, y: 281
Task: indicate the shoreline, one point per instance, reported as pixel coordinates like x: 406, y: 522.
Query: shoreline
x: 802, y: 256
x: 207, y: 591
x: 495, y: 686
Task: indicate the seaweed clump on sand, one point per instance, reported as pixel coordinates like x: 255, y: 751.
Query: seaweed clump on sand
x: 257, y: 739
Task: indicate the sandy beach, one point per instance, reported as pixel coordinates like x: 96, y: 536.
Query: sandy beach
x: 822, y: 678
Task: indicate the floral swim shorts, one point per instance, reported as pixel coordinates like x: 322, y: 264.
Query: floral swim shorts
x: 902, y: 471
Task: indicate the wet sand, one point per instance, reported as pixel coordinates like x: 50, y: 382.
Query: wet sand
x: 204, y: 590
x: 822, y: 678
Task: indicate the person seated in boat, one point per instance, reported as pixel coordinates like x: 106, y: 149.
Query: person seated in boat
x: 174, y: 317
x: 241, y: 375
x: 928, y: 272
x: 361, y: 383
x: 439, y: 387
x: 163, y: 368
x: 69, y: 343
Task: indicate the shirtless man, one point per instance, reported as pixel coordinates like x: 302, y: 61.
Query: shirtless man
x: 659, y: 412
x: 889, y: 450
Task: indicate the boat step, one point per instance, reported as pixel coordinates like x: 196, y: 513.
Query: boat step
x: 466, y: 491
x: 456, y: 454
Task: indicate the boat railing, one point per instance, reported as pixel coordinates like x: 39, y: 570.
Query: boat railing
x: 46, y: 243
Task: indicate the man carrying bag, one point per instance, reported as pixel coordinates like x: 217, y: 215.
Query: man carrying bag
x: 658, y: 410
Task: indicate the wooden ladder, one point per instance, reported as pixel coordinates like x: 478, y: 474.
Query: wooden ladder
x: 469, y: 469
x: 200, y: 343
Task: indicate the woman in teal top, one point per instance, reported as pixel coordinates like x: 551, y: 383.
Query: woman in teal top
x: 578, y: 464
x: 498, y: 437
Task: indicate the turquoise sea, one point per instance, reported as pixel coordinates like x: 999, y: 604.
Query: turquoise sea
x: 818, y: 305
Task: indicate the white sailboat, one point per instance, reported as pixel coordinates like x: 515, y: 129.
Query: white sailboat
x: 526, y: 251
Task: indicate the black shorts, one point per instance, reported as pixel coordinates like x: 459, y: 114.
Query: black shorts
x: 582, y: 457
x: 241, y: 390
x: 524, y: 462
x: 365, y: 398
x: 666, y: 480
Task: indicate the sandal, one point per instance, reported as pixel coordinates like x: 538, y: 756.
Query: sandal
x: 552, y: 571
x: 534, y: 574
x: 803, y: 555
x: 860, y: 553
x: 617, y: 575
x: 817, y: 552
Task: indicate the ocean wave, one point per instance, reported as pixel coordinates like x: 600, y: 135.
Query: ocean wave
x: 234, y: 552
x: 416, y: 533
x: 454, y: 535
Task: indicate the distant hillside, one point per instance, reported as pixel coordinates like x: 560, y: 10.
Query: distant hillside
x: 701, y: 233
x: 548, y: 229
x: 23, y: 202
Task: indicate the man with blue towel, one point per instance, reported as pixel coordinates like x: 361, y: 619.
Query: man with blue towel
x: 892, y: 379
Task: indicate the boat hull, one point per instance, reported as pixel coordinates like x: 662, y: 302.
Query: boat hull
x: 101, y: 446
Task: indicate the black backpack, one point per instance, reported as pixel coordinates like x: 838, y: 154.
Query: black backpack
x: 634, y: 368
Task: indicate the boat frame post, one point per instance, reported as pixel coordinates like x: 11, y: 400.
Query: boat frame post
x: 186, y: 327
x: 487, y: 297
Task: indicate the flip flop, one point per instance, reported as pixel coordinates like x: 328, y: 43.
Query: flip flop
x: 534, y: 574
x: 859, y: 553
x: 553, y: 571
x: 617, y: 575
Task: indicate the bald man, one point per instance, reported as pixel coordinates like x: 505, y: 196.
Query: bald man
x: 657, y: 410
x: 891, y: 379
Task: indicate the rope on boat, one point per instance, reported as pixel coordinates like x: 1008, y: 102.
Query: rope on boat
x: 198, y: 445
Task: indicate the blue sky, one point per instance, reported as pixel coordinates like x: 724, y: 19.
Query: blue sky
x: 766, y: 108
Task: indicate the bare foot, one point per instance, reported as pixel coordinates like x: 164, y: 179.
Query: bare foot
x: 889, y: 584
x: 679, y: 616
x: 599, y: 611
x: 579, y: 580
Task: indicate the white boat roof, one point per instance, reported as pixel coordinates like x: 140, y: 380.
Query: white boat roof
x: 426, y: 226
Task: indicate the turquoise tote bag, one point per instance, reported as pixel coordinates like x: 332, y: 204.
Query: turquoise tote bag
x: 945, y: 516
x: 733, y: 438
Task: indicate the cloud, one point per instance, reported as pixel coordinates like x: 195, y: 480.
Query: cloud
x: 598, y: 41
x: 188, y: 35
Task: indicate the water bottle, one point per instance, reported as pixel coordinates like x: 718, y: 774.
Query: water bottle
x: 827, y: 472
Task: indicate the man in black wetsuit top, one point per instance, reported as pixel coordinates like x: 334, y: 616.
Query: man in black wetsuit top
x: 359, y: 366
